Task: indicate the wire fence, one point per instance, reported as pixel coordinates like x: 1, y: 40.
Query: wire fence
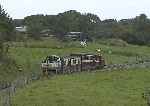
x: 7, y: 90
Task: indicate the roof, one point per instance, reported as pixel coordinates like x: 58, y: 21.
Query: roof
x: 73, y: 34
x: 82, y: 54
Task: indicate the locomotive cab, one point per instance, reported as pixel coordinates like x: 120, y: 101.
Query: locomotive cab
x: 51, y: 64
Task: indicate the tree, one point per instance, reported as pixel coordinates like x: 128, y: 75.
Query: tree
x: 35, y: 24
x: 107, y: 28
x: 6, y: 30
x: 6, y: 25
x: 135, y: 30
x: 141, y: 32
x: 67, y: 22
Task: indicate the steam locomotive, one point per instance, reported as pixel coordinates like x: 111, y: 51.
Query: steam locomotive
x: 72, y: 63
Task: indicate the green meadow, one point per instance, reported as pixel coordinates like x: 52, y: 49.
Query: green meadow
x: 114, y: 88
x: 29, y: 54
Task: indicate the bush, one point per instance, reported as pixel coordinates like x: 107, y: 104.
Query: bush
x: 114, y: 42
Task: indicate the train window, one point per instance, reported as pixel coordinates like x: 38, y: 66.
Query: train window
x: 44, y: 61
x: 94, y: 58
x: 85, y: 58
x: 66, y: 62
x: 90, y: 57
x: 51, y: 59
x: 77, y: 61
x: 97, y: 58
x: 73, y: 61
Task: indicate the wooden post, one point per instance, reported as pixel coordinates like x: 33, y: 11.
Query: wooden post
x: 56, y: 71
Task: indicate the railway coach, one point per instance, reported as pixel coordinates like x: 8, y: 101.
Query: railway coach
x: 73, y: 63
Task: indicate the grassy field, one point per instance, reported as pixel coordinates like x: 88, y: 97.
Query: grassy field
x: 115, y: 88
x: 29, y: 54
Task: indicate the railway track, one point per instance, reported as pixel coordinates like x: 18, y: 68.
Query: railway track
x: 141, y: 64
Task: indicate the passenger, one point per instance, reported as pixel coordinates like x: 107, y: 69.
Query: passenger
x: 99, y: 51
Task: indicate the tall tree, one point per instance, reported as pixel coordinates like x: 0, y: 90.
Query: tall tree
x: 6, y: 30
x: 35, y: 24
x: 68, y: 21
x: 6, y: 25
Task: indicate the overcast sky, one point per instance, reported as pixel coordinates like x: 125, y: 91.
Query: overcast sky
x: 105, y: 9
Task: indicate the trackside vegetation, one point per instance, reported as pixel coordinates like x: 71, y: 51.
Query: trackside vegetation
x: 28, y: 55
x: 113, y: 88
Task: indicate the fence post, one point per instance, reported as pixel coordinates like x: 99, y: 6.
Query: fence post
x: 6, y: 97
x: 7, y: 93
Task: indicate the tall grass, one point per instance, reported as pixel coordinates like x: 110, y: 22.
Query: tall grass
x: 115, y: 88
x: 29, y: 54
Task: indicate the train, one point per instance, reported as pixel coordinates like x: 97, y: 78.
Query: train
x: 77, y: 62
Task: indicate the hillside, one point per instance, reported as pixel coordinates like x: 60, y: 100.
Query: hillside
x: 100, y: 88
x: 28, y: 55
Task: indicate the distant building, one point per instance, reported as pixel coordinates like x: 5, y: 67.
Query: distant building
x: 22, y: 29
x: 73, y: 34
x: 78, y: 36
x: 46, y: 33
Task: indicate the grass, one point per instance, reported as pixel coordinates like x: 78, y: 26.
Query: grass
x: 115, y: 88
x: 29, y: 54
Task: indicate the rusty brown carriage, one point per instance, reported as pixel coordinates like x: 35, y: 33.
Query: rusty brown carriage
x: 90, y: 61
x: 73, y: 63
